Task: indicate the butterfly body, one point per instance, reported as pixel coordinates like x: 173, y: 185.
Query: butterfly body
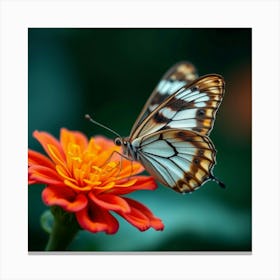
x: 170, y: 138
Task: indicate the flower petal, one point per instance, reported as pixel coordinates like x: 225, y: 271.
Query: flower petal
x: 76, y: 187
x: 56, y: 155
x: 95, y: 219
x: 65, y: 198
x: 142, y: 183
x: 110, y: 202
x: 35, y: 158
x: 141, y: 217
x: 130, y: 168
x: 73, y: 137
x: 44, y: 175
x: 104, y: 143
x: 137, y: 219
x: 46, y: 139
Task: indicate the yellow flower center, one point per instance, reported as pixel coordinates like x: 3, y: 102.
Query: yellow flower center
x: 91, y: 168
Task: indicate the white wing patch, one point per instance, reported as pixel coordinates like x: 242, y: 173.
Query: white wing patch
x: 183, y: 123
x: 167, y: 112
x: 200, y: 104
x: 158, y: 170
x: 189, y: 96
x: 186, y: 114
x: 186, y: 92
x: 172, y: 172
x: 169, y: 86
x: 161, y: 146
x: 202, y: 98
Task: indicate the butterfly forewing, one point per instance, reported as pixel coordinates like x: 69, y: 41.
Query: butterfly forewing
x: 182, y: 160
x: 178, y: 76
x: 192, y: 107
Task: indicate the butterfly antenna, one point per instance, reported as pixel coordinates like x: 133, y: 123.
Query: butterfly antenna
x: 88, y: 117
x: 220, y: 183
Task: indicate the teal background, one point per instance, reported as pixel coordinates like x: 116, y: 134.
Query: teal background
x: 110, y: 73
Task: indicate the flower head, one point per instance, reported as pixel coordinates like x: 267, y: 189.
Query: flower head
x: 88, y: 178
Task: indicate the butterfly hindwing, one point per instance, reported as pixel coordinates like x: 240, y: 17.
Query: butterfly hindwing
x: 193, y: 107
x: 181, y: 74
x: 181, y: 160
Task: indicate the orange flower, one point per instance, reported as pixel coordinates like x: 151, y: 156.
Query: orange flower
x: 84, y: 178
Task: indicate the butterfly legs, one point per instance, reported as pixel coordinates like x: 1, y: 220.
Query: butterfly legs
x: 120, y: 163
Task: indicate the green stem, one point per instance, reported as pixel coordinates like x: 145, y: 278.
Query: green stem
x: 64, y: 229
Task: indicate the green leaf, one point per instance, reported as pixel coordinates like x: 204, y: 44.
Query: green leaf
x: 47, y: 221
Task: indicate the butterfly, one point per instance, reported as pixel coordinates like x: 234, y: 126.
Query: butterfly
x: 170, y: 137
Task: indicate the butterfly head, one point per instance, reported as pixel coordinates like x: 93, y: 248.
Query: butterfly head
x: 119, y: 141
x: 129, y: 149
x: 122, y: 142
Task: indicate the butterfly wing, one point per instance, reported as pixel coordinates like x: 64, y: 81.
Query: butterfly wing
x: 192, y: 107
x: 181, y: 160
x: 181, y: 74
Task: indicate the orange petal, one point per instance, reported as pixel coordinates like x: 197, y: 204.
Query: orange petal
x: 110, y: 202
x: 76, y: 187
x: 104, y: 143
x: 128, y: 182
x: 75, y: 137
x: 137, y: 219
x: 130, y: 168
x: 142, y: 183
x: 46, y: 139
x: 56, y: 155
x: 105, y: 155
x: 95, y: 219
x: 65, y: 198
x: 31, y: 181
x: 35, y: 158
x: 44, y: 175
x: 134, y: 218
x: 63, y: 172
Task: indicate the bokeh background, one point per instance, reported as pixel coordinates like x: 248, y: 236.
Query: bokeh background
x: 110, y: 73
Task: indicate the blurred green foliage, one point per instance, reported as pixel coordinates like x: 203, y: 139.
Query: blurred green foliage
x: 110, y: 73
